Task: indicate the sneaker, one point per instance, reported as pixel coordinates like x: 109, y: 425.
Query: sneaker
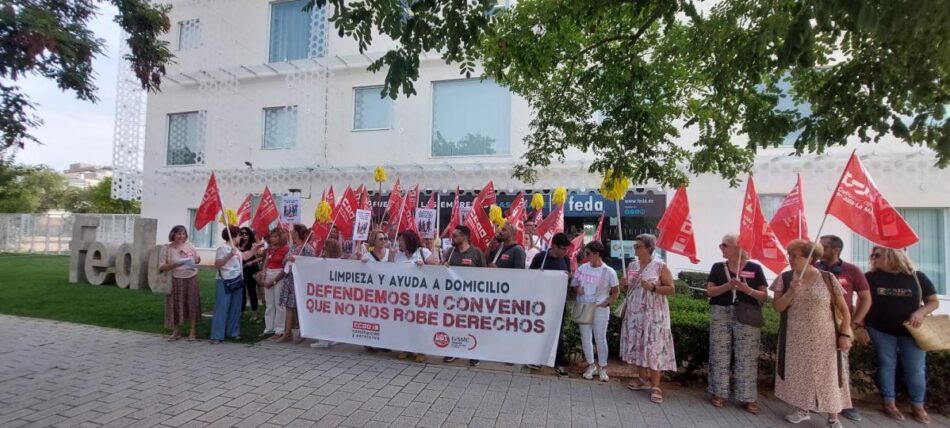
x: 590, y: 372
x: 798, y: 416
x: 834, y: 423
x: 532, y: 367
x: 603, y: 375
x: 560, y: 371
x: 420, y: 358
x: 448, y: 359
x: 474, y: 363
x: 852, y: 414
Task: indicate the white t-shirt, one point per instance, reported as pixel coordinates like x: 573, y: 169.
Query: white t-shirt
x: 596, y: 282
x: 368, y: 257
x: 420, y: 254
x: 231, y: 269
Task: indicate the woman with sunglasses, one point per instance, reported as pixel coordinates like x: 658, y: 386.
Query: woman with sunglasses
x: 896, y: 289
x: 809, y: 369
x: 251, y: 267
x: 375, y: 250
x: 646, y: 340
x: 736, y: 288
x: 184, y: 301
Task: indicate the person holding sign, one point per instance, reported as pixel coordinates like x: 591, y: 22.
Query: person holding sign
x: 736, y: 289
x: 410, y: 251
x: 184, y: 301
x: 596, y: 284
x: 375, y: 250
x: 288, y: 299
x: 464, y: 254
x: 555, y: 258
x: 646, y: 340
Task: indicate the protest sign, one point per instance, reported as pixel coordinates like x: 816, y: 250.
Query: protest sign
x: 505, y: 315
x: 361, y: 225
x: 426, y: 222
x: 290, y: 209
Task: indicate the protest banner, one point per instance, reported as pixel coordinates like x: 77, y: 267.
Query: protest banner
x: 426, y: 222
x: 361, y: 224
x: 290, y: 209
x: 436, y: 310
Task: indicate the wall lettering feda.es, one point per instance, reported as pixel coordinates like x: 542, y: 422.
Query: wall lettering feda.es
x: 128, y: 265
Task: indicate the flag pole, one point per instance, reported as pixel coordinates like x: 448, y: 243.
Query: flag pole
x: 827, y: 208
x: 623, y: 259
x: 227, y: 226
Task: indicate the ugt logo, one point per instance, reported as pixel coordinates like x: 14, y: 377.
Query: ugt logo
x: 441, y: 339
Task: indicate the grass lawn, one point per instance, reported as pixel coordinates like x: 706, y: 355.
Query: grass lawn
x: 38, y: 286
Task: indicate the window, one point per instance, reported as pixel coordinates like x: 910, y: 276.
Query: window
x: 280, y: 128
x: 185, y: 145
x: 770, y: 204
x: 295, y: 33
x: 470, y: 118
x: 204, y: 238
x: 929, y: 254
x: 370, y: 111
x: 785, y: 102
x: 189, y: 34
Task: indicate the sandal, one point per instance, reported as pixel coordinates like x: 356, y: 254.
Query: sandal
x: 173, y: 337
x: 637, y: 384
x: 717, y: 401
x: 192, y: 338
x: 894, y: 413
x: 752, y: 407
x: 920, y: 415
x: 656, y: 395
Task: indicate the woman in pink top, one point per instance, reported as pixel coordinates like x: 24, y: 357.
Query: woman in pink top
x: 184, y: 301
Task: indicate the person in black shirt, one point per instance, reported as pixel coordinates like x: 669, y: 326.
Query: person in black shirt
x: 897, y: 291
x: 731, y: 284
x: 510, y: 254
x: 555, y: 258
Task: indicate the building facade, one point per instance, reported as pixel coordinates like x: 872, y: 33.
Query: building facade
x: 264, y: 93
x: 83, y: 175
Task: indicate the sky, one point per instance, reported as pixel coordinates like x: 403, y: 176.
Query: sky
x: 76, y: 130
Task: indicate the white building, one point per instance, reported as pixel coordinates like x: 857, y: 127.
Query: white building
x: 83, y: 175
x: 265, y: 84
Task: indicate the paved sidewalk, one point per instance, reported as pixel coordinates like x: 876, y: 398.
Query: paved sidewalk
x: 61, y: 374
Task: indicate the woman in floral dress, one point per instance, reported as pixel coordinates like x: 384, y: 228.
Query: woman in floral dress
x: 646, y: 340
x: 288, y: 298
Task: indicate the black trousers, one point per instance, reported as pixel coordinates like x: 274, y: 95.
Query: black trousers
x: 250, y: 287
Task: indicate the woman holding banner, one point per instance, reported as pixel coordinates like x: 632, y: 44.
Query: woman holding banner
x: 271, y: 281
x: 736, y: 289
x: 375, y: 250
x: 809, y: 371
x: 596, y: 284
x: 646, y: 340
x: 288, y: 299
x: 411, y: 251
x: 897, y: 290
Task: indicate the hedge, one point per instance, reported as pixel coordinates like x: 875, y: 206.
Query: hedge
x: 689, y: 321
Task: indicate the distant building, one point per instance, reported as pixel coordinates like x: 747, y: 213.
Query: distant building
x: 83, y: 175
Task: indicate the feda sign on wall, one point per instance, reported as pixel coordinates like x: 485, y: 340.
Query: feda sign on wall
x: 129, y: 265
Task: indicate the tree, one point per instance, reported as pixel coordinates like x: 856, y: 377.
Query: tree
x: 470, y: 145
x: 30, y: 189
x: 51, y: 38
x: 98, y: 199
x: 868, y: 68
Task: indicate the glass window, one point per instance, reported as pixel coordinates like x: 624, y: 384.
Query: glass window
x: 929, y: 254
x: 280, y: 128
x: 785, y: 102
x: 189, y: 34
x: 469, y: 118
x: 295, y: 33
x: 204, y: 238
x: 370, y: 111
x: 185, y: 147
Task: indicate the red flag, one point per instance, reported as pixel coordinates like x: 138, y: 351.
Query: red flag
x: 244, y: 212
x: 600, y: 228
x: 431, y: 203
x: 516, y: 216
x: 788, y: 223
x: 553, y: 223
x: 331, y: 200
x: 364, y: 198
x: 345, y: 214
x: 480, y: 225
x: 265, y: 215
x: 857, y: 202
x: 395, y: 202
x: 676, y: 228
x: 487, y: 195
x: 210, y: 204
x: 408, y: 219
x: 756, y: 236
x: 576, y: 244
x: 454, y: 219
x: 537, y: 215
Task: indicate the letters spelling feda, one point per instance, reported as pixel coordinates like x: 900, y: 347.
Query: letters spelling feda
x: 135, y: 264
x: 412, y: 281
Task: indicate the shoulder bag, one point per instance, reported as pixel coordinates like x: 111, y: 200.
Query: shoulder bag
x: 746, y: 313
x: 934, y: 332
x: 583, y: 313
x: 621, y: 310
x: 234, y: 284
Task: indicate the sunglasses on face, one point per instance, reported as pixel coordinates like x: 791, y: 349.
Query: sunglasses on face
x: 637, y: 246
x: 875, y: 256
x: 723, y: 245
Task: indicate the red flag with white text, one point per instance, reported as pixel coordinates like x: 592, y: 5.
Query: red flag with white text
x: 410, y: 202
x: 431, y: 203
x: 553, y: 223
x: 265, y: 215
x: 345, y: 214
x: 516, y: 216
x: 756, y: 236
x: 858, y: 203
x: 487, y: 196
x: 365, y: 203
x: 395, y: 203
x: 454, y: 219
x: 477, y: 219
x: 788, y: 223
x: 210, y: 204
x: 676, y: 228
x: 244, y: 211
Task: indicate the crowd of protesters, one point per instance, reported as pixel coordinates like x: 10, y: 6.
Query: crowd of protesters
x: 824, y: 303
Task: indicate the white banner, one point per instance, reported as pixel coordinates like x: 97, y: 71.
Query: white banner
x: 426, y: 222
x: 506, y: 315
x: 361, y: 225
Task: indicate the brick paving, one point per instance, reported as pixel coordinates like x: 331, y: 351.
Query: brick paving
x: 61, y: 374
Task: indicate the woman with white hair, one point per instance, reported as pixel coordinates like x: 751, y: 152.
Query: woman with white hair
x: 736, y: 288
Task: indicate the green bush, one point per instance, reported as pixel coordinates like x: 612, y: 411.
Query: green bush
x: 692, y: 283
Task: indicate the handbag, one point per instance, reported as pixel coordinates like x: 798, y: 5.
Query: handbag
x: 744, y: 312
x: 934, y: 332
x: 233, y: 284
x: 621, y: 310
x: 583, y: 313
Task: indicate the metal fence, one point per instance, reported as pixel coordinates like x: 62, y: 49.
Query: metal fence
x: 51, y: 233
